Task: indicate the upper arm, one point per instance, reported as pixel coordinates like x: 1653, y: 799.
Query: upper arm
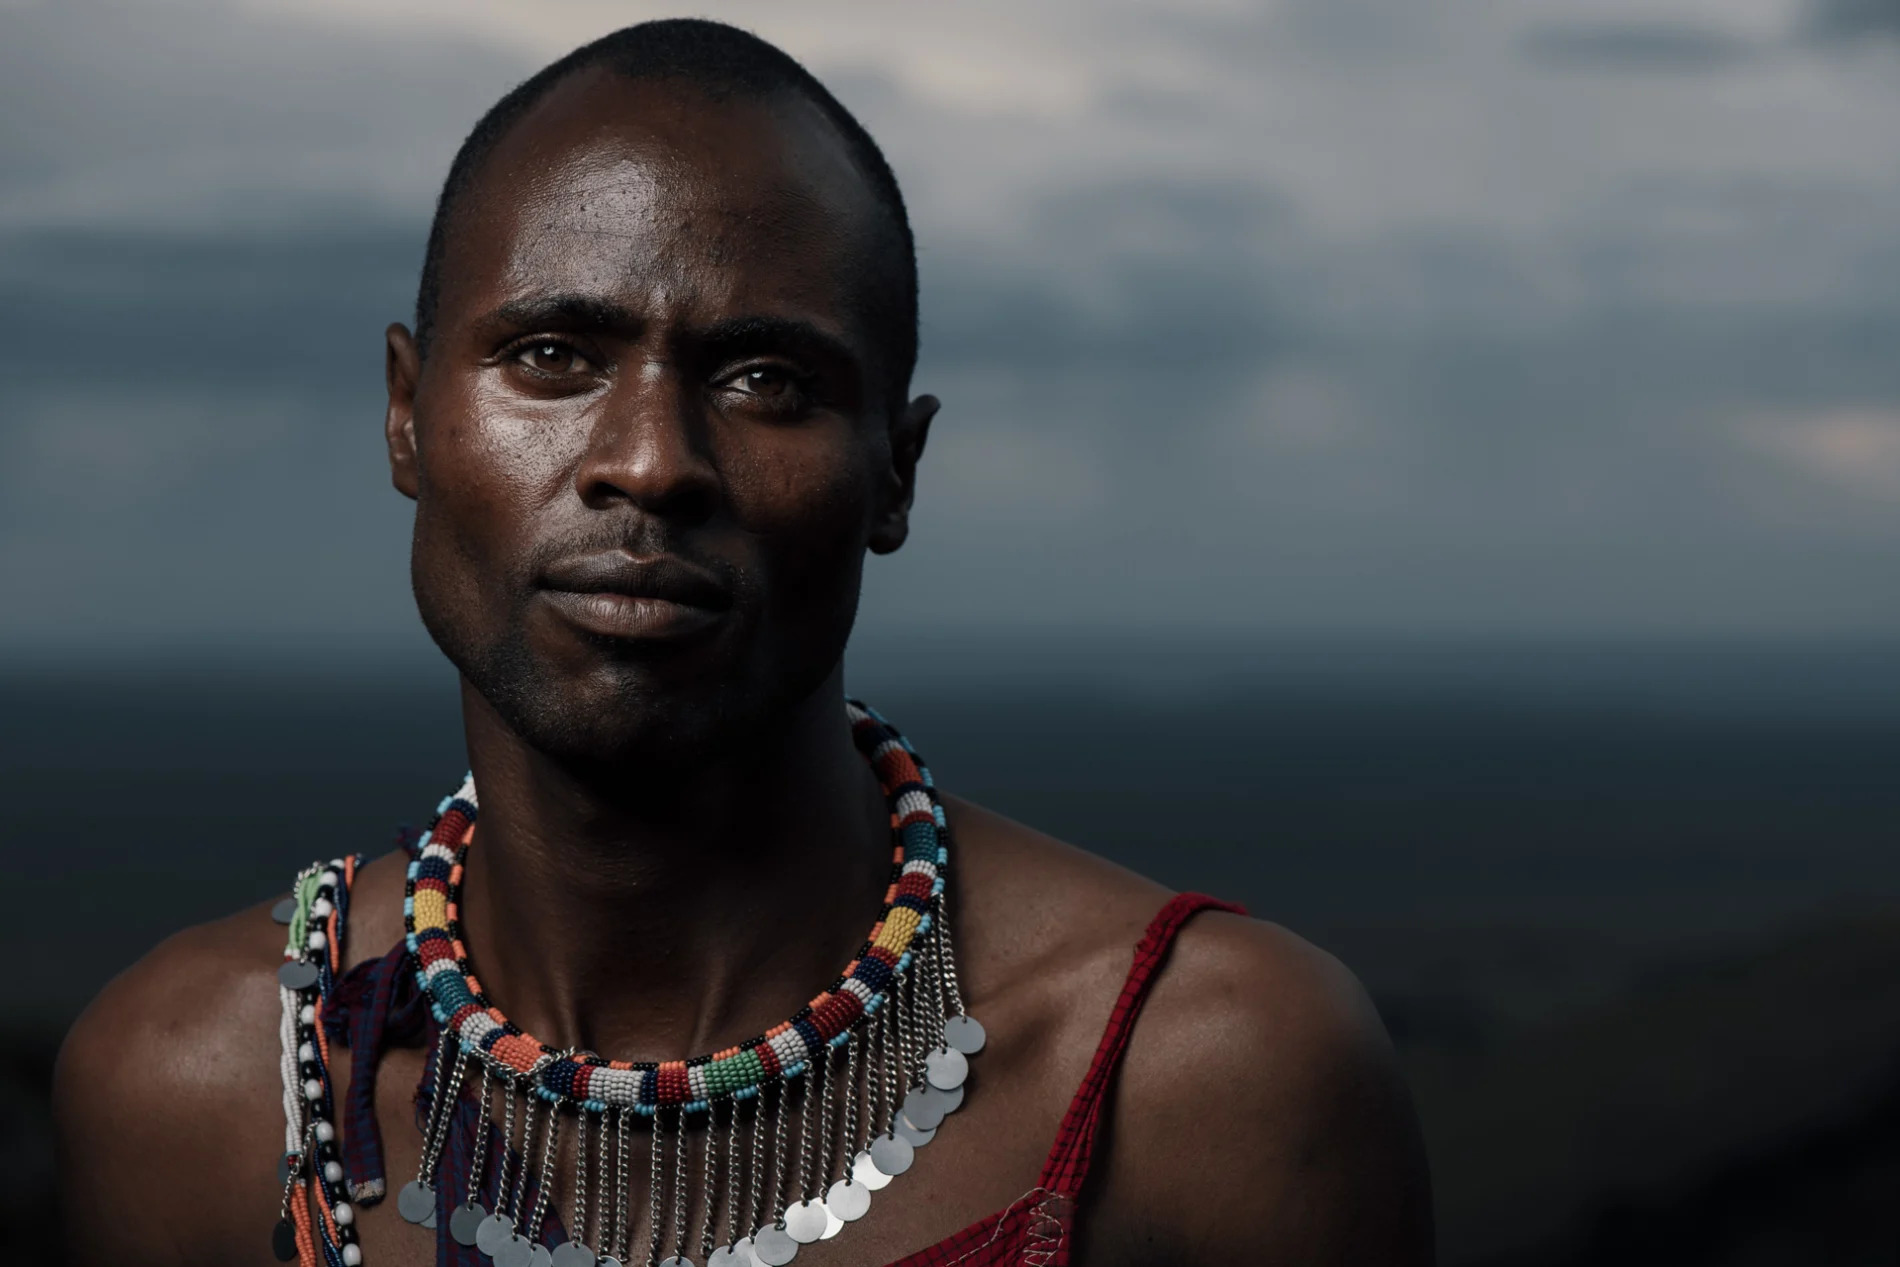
x: 1260, y: 1113
x: 156, y: 1099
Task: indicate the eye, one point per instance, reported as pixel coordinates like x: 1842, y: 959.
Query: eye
x: 767, y: 382
x: 553, y: 358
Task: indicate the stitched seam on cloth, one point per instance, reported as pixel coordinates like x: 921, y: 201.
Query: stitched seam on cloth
x: 1043, y: 1236
x: 1002, y: 1222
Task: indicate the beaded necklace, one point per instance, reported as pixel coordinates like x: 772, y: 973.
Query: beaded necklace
x: 863, y: 1075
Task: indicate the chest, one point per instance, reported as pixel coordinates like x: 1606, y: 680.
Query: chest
x: 983, y: 1159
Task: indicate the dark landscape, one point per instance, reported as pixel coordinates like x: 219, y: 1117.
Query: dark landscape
x: 1632, y: 915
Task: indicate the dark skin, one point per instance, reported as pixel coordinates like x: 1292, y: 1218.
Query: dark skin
x: 655, y: 368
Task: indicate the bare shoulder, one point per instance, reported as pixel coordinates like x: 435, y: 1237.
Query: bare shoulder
x: 1260, y: 1110
x: 167, y: 1091
x: 183, y: 1020
x: 162, y: 1082
x: 1057, y: 898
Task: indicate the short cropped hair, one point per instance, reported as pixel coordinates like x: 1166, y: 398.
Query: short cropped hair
x: 720, y: 61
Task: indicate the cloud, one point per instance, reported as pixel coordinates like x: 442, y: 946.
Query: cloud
x: 1645, y: 47
x: 1310, y: 317
x: 1832, y: 20
x: 224, y: 311
x: 1856, y: 450
x: 190, y: 114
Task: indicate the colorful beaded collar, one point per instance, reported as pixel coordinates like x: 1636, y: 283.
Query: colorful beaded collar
x: 867, y: 1071
x: 431, y: 914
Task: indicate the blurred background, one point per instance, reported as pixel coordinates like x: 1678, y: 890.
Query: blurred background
x: 1429, y: 469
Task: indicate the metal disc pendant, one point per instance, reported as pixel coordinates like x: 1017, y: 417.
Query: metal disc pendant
x: 466, y: 1222
x: 492, y: 1232
x: 773, y: 1246
x: 964, y: 1034
x: 515, y: 1252
x: 949, y: 1101
x: 928, y: 1106
x: 865, y: 1171
x: 416, y: 1201
x: 925, y: 1113
x: 848, y: 1199
x: 724, y: 1256
x: 833, y: 1225
x: 918, y: 1138
x: 573, y: 1254
x: 742, y: 1252
x: 285, y: 910
x: 892, y: 1154
x: 611, y: 1261
x: 805, y: 1221
x: 298, y: 974
x: 430, y: 1221
x: 946, y: 1068
x: 541, y: 1256
x: 677, y: 1260
x: 283, y: 1241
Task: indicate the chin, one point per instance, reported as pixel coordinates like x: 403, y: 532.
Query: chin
x: 643, y: 718
x: 620, y: 714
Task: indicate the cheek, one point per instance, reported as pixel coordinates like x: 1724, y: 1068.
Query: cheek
x: 498, y: 462
x: 806, y: 493
x: 487, y: 473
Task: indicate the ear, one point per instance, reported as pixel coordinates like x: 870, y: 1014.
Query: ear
x: 909, y: 430
x: 402, y: 367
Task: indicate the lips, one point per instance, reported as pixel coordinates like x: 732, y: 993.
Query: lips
x: 619, y: 595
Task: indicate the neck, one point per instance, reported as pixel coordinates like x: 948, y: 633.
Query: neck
x: 650, y: 928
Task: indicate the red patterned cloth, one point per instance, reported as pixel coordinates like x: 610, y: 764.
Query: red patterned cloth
x: 1037, y: 1228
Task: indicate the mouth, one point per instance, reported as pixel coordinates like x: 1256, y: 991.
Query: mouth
x: 653, y: 598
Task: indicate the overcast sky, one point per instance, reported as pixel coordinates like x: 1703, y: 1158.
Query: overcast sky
x: 1374, y: 316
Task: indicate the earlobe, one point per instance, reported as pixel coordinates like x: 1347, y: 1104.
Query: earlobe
x: 402, y: 367
x: 909, y: 432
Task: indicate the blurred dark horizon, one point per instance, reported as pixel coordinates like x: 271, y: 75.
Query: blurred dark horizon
x: 1655, y: 789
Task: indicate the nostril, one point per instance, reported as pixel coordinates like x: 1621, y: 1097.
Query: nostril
x: 655, y: 459
x: 687, y: 501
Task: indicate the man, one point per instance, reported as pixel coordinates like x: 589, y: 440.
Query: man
x: 654, y: 412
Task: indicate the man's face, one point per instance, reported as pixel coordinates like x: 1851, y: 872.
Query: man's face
x: 651, y: 441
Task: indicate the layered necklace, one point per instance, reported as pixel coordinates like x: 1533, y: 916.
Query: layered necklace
x: 798, y: 1126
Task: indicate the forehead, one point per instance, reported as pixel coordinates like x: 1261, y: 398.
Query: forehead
x: 669, y: 200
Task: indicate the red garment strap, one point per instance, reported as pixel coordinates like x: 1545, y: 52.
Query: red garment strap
x: 1068, y: 1163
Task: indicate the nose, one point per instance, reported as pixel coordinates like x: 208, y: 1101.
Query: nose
x: 650, y: 447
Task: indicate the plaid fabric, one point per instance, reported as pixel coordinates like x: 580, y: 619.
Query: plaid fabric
x: 375, y: 1007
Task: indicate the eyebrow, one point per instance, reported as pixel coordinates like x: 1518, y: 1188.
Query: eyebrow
x: 562, y: 312
x: 741, y: 335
